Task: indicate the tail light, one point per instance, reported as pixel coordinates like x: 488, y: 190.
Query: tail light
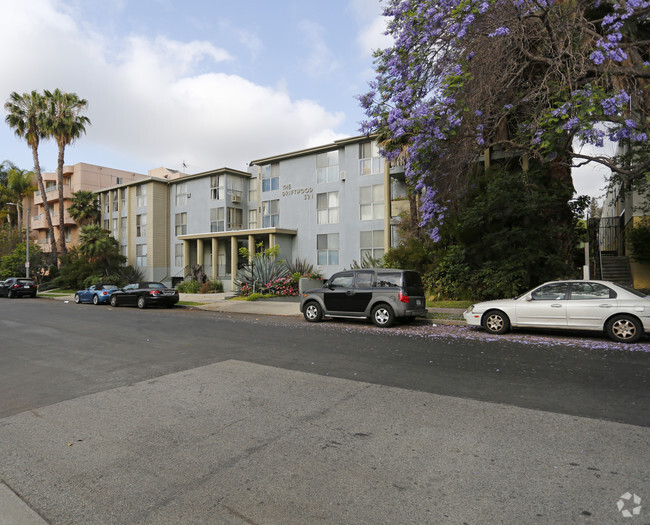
x: 404, y: 298
x: 154, y: 292
x: 104, y: 293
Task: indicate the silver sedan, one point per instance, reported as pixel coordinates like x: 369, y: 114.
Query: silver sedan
x: 621, y: 312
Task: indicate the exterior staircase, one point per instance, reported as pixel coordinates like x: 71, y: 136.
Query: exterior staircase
x: 617, y: 269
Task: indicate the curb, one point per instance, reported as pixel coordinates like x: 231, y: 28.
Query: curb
x: 15, y: 510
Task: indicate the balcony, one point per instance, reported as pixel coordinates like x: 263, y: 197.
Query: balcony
x: 52, y: 194
x: 398, y: 207
x: 39, y: 222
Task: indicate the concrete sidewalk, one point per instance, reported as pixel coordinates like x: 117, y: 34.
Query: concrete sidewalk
x: 289, y: 306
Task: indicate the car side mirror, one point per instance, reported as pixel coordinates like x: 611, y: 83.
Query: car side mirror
x: 528, y: 297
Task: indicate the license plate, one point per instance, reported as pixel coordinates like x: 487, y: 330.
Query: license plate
x: 26, y: 286
x: 418, y: 302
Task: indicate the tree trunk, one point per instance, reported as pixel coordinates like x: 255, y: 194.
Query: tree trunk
x: 59, y: 183
x: 41, y: 187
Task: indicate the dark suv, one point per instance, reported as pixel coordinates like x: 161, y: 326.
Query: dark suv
x: 17, y: 287
x: 380, y: 294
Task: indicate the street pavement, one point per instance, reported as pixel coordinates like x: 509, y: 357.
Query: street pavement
x: 240, y: 443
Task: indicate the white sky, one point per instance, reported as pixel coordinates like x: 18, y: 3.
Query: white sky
x: 205, y: 83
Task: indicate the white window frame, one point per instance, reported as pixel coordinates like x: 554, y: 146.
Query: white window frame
x: 371, y: 242
x: 327, y: 207
x: 180, y: 224
x: 217, y: 220
x: 371, y: 202
x: 271, y: 177
x: 327, y: 249
x: 327, y: 167
x: 270, y: 213
x: 370, y: 160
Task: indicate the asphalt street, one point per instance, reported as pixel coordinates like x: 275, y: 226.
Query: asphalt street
x: 158, y: 416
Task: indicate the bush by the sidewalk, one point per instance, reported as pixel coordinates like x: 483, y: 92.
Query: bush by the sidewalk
x: 194, y: 286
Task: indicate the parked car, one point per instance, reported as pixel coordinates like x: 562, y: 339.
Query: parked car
x: 381, y: 295
x: 17, y: 287
x: 96, y: 294
x: 622, y: 313
x: 145, y: 294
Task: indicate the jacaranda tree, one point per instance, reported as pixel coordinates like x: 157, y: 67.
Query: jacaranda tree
x: 533, y: 77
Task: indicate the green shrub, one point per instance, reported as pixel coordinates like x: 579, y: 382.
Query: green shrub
x: 189, y: 287
x: 639, y: 241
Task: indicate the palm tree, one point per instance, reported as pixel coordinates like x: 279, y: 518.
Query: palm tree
x: 26, y: 115
x: 84, y: 209
x: 99, y: 247
x: 19, y: 186
x: 65, y: 124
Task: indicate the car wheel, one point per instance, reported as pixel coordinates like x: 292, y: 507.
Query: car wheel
x: 77, y: 299
x: 10, y: 294
x: 313, y: 312
x: 496, y: 322
x: 141, y: 302
x: 113, y: 301
x: 383, y: 316
x: 624, y: 329
x: 95, y: 300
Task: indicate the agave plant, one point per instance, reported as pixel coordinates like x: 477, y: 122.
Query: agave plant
x: 262, y: 270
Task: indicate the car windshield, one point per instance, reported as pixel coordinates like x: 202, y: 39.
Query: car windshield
x: 110, y: 287
x: 24, y: 281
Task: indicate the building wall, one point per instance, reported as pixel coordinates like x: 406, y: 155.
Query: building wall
x: 80, y: 176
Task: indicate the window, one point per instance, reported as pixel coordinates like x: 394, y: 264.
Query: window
x: 181, y: 194
x: 106, y: 204
x: 271, y: 177
x: 141, y: 255
x: 327, y: 206
x: 372, y: 244
x: 107, y: 224
x: 141, y: 225
x: 123, y: 197
x: 370, y: 162
x: 123, y: 250
x: 123, y: 228
x: 67, y: 236
x: 327, y: 167
x: 217, y: 223
x: 342, y: 280
x: 371, y: 200
x: 114, y: 200
x: 114, y: 229
x: 591, y: 291
x: 327, y: 249
x: 178, y: 254
x: 141, y: 196
x: 270, y: 213
x: 551, y: 292
x: 50, y: 185
x: 180, y: 221
x: 235, y: 219
x: 252, y: 219
x: 217, y: 187
x: 252, y: 190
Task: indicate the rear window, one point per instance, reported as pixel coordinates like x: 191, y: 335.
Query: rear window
x: 25, y: 281
x: 157, y: 286
x: 412, y: 279
x: 390, y: 280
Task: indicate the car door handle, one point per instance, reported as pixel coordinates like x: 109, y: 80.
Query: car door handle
x: 556, y: 306
x: 349, y: 292
x: 606, y: 306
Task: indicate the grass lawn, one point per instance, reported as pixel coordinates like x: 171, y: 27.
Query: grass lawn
x: 57, y: 292
x: 449, y: 304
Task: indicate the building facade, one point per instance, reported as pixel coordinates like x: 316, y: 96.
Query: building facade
x: 80, y: 176
x: 330, y: 206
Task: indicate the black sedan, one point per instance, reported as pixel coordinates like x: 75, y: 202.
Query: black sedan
x: 145, y: 294
x: 17, y: 287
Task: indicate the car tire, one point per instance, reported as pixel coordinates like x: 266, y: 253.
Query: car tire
x: 495, y: 322
x: 313, y: 312
x: 113, y: 301
x: 95, y: 300
x: 77, y: 299
x: 624, y: 329
x: 141, y: 302
x: 383, y: 316
x: 10, y: 294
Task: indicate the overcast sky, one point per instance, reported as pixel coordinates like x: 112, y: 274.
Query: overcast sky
x: 208, y: 83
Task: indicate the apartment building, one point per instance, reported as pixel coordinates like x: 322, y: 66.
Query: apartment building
x: 80, y: 176
x: 328, y: 205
